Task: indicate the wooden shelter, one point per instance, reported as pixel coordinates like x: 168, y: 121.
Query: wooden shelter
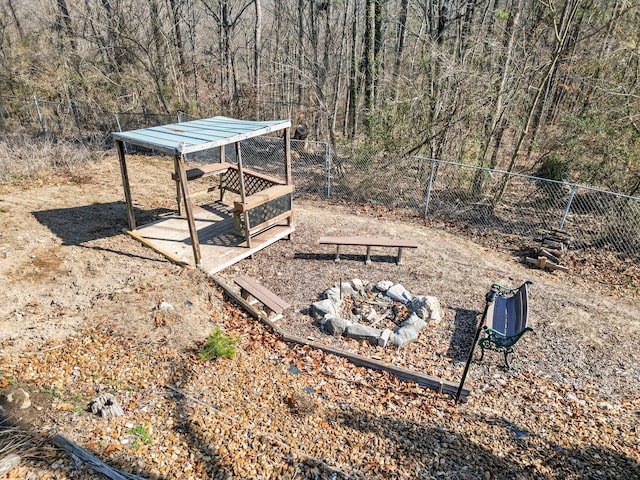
x: 218, y: 234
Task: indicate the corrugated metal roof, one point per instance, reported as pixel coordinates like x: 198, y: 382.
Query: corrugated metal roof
x: 198, y: 135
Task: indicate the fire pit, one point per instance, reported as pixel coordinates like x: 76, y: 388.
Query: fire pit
x: 381, y: 313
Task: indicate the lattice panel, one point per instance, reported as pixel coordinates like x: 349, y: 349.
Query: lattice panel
x: 265, y: 212
x: 255, y: 184
x: 251, y: 184
x: 231, y: 181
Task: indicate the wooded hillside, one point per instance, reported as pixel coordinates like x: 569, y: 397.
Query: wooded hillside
x: 550, y: 87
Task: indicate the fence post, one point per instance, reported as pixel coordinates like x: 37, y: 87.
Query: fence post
x: 431, y: 173
x: 74, y: 109
x: 124, y: 144
x: 566, y: 210
x: 35, y: 100
x: 2, y: 126
x: 328, y: 170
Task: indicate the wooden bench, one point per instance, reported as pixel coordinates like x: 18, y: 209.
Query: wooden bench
x: 273, y: 305
x: 369, y: 242
x: 266, y: 213
x: 204, y: 171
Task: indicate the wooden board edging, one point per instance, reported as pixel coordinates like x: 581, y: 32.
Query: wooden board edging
x: 402, y: 373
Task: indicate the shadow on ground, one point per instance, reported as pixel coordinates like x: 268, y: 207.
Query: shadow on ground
x: 464, y: 329
x: 78, y: 225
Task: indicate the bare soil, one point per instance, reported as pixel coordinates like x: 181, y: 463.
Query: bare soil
x: 79, y: 310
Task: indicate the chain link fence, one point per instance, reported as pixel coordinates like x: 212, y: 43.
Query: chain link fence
x: 488, y: 200
x: 61, y: 120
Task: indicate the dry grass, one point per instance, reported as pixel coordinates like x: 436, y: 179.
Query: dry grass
x: 25, y: 158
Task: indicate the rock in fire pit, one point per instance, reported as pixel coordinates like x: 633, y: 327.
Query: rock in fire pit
x: 380, y: 313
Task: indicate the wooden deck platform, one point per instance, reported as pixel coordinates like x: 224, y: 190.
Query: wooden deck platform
x: 220, y: 247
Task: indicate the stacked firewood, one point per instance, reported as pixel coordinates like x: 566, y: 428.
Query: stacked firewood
x: 554, y: 246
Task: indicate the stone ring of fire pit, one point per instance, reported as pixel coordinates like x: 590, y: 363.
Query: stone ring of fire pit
x: 354, y: 309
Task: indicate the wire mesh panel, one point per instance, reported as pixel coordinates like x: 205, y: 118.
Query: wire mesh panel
x: 605, y: 220
x: 521, y: 205
x: 366, y: 176
x: 18, y: 115
x: 505, y: 202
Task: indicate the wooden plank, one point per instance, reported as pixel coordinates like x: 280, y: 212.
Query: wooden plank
x: 366, y: 241
x: 271, y: 221
x: 268, y: 178
x: 81, y: 455
x: 262, y: 294
x: 126, y: 185
x: 263, y: 197
x: 144, y: 241
x: 400, y: 372
x: 220, y: 247
x: 207, y: 170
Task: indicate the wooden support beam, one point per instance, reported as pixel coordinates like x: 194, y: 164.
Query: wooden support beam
x: 188, y: 207
x: 126, y: 185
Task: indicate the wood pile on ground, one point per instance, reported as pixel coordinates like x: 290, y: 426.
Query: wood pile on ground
x: 553, y: 247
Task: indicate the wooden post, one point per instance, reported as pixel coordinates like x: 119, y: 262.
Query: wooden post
x: 176, y: 169
x: 126, y: 185
x: 243, y: 194
x: 221, y: 177
x: 287, y: 155
x: 182, y: 176
x: 287, y: 170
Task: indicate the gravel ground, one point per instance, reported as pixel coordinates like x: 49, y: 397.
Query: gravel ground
x: 80, y: 317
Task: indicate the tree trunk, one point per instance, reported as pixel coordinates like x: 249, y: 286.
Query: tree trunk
x: 561, y: 31
x: 175, y: 6
x: 16, y: 20
x: 257, y: 45
x: 64, y: 24
x: 354, y: 89
x: 366, y: 65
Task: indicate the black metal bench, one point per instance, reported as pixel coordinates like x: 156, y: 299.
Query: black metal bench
x: 273, y: 305
x: 505, y: 320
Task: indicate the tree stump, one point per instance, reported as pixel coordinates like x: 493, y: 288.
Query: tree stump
x: 106, y: 406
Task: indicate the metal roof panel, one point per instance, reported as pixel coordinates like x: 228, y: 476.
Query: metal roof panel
x: 198, y: 135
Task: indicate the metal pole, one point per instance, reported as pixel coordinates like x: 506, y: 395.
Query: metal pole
x: 74, y: 109
x: 431, y: 174
x: 120, y: 130
x: 566, y: 210
x: 473, y: 346
x: 44, y: 130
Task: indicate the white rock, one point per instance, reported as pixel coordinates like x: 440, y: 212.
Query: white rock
x: 384, y: 337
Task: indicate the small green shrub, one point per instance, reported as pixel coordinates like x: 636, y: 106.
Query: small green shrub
x: 140, y: 435
x: 219, y: 344
x: 553, y: 167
